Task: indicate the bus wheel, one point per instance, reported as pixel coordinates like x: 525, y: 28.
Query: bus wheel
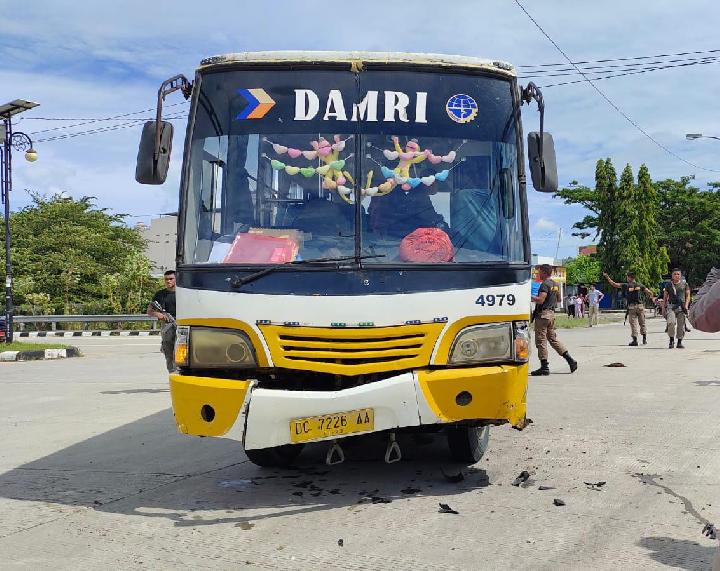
x: 275, y: 457
x: 468, y: 443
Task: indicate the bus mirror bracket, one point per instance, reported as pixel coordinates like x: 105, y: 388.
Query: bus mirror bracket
x: 541, y: 148
x: 153, y: 159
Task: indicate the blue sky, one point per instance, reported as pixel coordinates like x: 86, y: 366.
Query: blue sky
x: 91, y: 59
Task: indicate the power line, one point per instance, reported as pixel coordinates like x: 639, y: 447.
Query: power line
x: 618, y: 59
x: 606, y: 98
x: 614, y: 75
x: 620, y: 68
x: 96, y: 120
x: 98, y: 130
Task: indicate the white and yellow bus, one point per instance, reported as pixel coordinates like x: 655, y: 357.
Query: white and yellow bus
x: 353, y: 250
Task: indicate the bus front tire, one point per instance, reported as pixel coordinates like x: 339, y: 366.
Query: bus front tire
x: 468, y: 443
x: 275, y: 457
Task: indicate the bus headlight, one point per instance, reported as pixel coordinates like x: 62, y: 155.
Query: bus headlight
x: 182, y: 335
x: 521, y: 341
x: 220, y: 348
x: 482, y: 343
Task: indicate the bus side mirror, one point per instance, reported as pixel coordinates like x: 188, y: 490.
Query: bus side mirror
x: 153, y: 158
x: 543, y: 167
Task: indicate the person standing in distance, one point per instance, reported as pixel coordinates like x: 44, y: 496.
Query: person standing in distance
x: 594, y: 297
x: 544, y: 314
x: 676, y: 300
x: 166, y: 298
x: 635, y: 307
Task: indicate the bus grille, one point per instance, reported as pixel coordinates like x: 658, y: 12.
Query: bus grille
x: 351, y: 351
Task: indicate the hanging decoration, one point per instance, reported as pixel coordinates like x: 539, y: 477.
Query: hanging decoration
x: 322, y: 150
x: 336, y: 178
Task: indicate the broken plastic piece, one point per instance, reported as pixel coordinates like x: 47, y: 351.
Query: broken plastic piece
x: 335, y: 455
x: 524, y: 476
x: 392, y: 454
x: 446, y: 509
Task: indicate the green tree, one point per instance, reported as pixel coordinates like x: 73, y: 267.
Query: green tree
x: 689, y: 222
x: 626, y: 252
x: 654, y: 257
x: 63, y: 248
x: 583, y: 270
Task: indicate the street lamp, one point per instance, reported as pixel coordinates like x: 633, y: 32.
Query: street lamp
x: 22, y: 143
x: 693, y: 136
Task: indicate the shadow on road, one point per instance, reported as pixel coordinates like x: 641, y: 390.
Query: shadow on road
x: 145, y: 468
x: 679, y: 553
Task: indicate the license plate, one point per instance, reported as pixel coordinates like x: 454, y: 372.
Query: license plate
x: 334, y: 424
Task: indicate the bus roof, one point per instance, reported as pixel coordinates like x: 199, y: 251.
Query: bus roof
x: 355, y: 57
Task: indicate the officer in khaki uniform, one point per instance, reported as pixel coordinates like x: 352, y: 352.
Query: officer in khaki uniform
x: 544, y: 316
x: 635, y: 306
x: 676, y: 300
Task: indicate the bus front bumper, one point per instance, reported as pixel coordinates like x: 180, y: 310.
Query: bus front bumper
x: 261, y: 417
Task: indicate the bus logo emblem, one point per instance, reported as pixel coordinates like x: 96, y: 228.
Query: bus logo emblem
x: 259, y: 103
x: 461, y: 108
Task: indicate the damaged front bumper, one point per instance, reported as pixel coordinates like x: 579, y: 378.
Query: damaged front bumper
x: 261, y: 417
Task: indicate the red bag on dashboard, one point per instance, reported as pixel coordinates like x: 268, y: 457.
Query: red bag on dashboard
x: 429, y: 245
x: 260, y: 249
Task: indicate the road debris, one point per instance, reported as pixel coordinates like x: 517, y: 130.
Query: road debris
x: 523, y: 424
x: 446, y: 509
x: 340, y: 542
x: 374, y: 500
x: 543, y: 488
x: 616, y: 364
x: 558, y: 502
x: 595, y: 485
x: 524, y: 476
x: 409, y: 491
x: 453, y: 478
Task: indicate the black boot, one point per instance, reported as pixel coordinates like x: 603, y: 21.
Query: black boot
x: 570, y: 361
x: 672, y: 343
x: 644, y: 339
x: 543, y: 371
x: 680, y: 345
x: 633, y: 343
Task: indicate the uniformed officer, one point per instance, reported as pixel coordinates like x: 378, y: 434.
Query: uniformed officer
x: 545, y: 302
x: 676, y: 300
x: 635, y: 307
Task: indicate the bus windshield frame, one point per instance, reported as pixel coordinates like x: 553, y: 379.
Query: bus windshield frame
x: 437, y: 154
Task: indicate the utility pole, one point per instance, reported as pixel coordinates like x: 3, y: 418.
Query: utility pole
x: 20, y: 142
x: 557, y: 250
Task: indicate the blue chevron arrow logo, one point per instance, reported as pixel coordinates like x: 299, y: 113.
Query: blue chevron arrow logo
x: 259, y: 103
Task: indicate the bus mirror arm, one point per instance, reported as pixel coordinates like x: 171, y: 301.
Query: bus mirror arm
x: 541, y: 148
x: 153, y: 160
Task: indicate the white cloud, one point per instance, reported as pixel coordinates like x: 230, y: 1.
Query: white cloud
x: 546, y: 225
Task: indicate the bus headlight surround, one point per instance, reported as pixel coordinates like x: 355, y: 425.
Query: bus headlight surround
x: 182, y: 354
x: 220, y: 348
x: 521, y: 341
x: 483, y: 343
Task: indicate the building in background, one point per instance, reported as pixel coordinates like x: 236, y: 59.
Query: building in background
x: 160, y: 237
x: 559, y: 275
x: 587, y: 250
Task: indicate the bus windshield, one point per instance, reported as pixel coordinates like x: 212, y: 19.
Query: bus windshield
x: 405, y: 167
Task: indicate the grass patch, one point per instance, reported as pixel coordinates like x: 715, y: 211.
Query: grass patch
x: 564, y: 322
x: 25, y: 346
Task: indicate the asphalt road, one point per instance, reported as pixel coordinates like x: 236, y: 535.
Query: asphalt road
x: 93, y: 474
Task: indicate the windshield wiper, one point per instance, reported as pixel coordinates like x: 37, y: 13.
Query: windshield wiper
x: 239, y: 282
